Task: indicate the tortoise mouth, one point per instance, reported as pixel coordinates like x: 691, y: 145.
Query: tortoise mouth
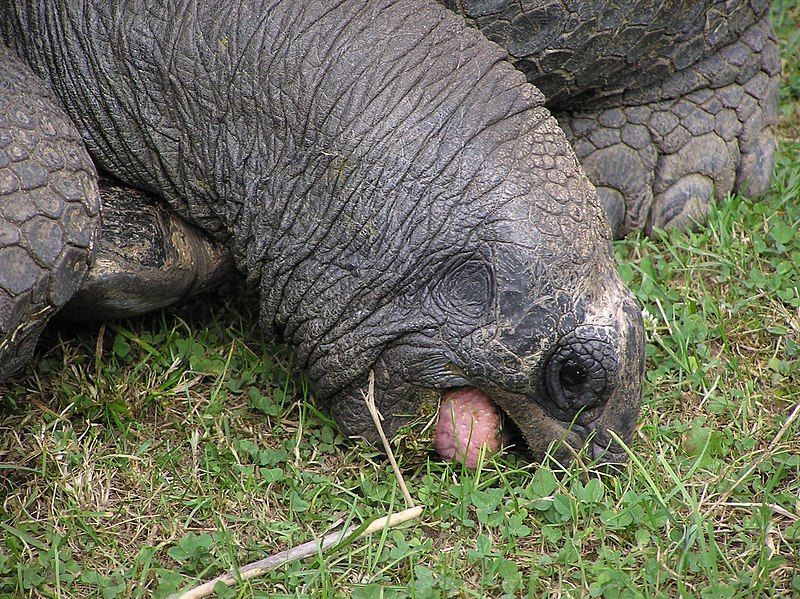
x: 471, y: 424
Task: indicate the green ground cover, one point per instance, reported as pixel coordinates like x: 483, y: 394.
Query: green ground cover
x: 140, y: 455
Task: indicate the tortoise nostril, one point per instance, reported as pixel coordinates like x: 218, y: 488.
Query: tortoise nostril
x: 572, y: 376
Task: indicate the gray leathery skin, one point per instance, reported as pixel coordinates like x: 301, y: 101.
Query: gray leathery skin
x: 49, y: 211
x: 393, y: 187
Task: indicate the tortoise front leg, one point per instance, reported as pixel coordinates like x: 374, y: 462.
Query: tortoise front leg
x: 661, y: 156
x: 49, y: 210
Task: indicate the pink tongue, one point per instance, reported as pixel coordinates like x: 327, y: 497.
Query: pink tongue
x: 468, y: 420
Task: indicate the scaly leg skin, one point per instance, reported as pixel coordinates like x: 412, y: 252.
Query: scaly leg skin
x: 661, y: 156
x: 49, y: 210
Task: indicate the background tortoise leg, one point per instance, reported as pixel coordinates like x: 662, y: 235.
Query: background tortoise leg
x: 49, y: 210
x: 661, y: 156
x: 148, y: 258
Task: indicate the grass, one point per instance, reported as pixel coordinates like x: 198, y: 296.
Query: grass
x: 140, y: 455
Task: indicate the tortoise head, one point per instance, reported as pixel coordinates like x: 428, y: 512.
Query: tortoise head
x: 533, y: 320
x: 554, y: 338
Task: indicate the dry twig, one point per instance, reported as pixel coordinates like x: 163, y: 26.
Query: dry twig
x: 314, y: 547
x: 369, y: 398
x: 320, y: 545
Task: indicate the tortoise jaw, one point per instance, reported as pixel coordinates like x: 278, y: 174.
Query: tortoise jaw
x: 534, y: 430
x: 518, y: 421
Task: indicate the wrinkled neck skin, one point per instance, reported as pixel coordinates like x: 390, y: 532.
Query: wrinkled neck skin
x: 392, y: 186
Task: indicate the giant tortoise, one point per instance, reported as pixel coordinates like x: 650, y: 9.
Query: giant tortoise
x: 394, y: 177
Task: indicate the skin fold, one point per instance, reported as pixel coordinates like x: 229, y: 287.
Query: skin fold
x: 392, y: 186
